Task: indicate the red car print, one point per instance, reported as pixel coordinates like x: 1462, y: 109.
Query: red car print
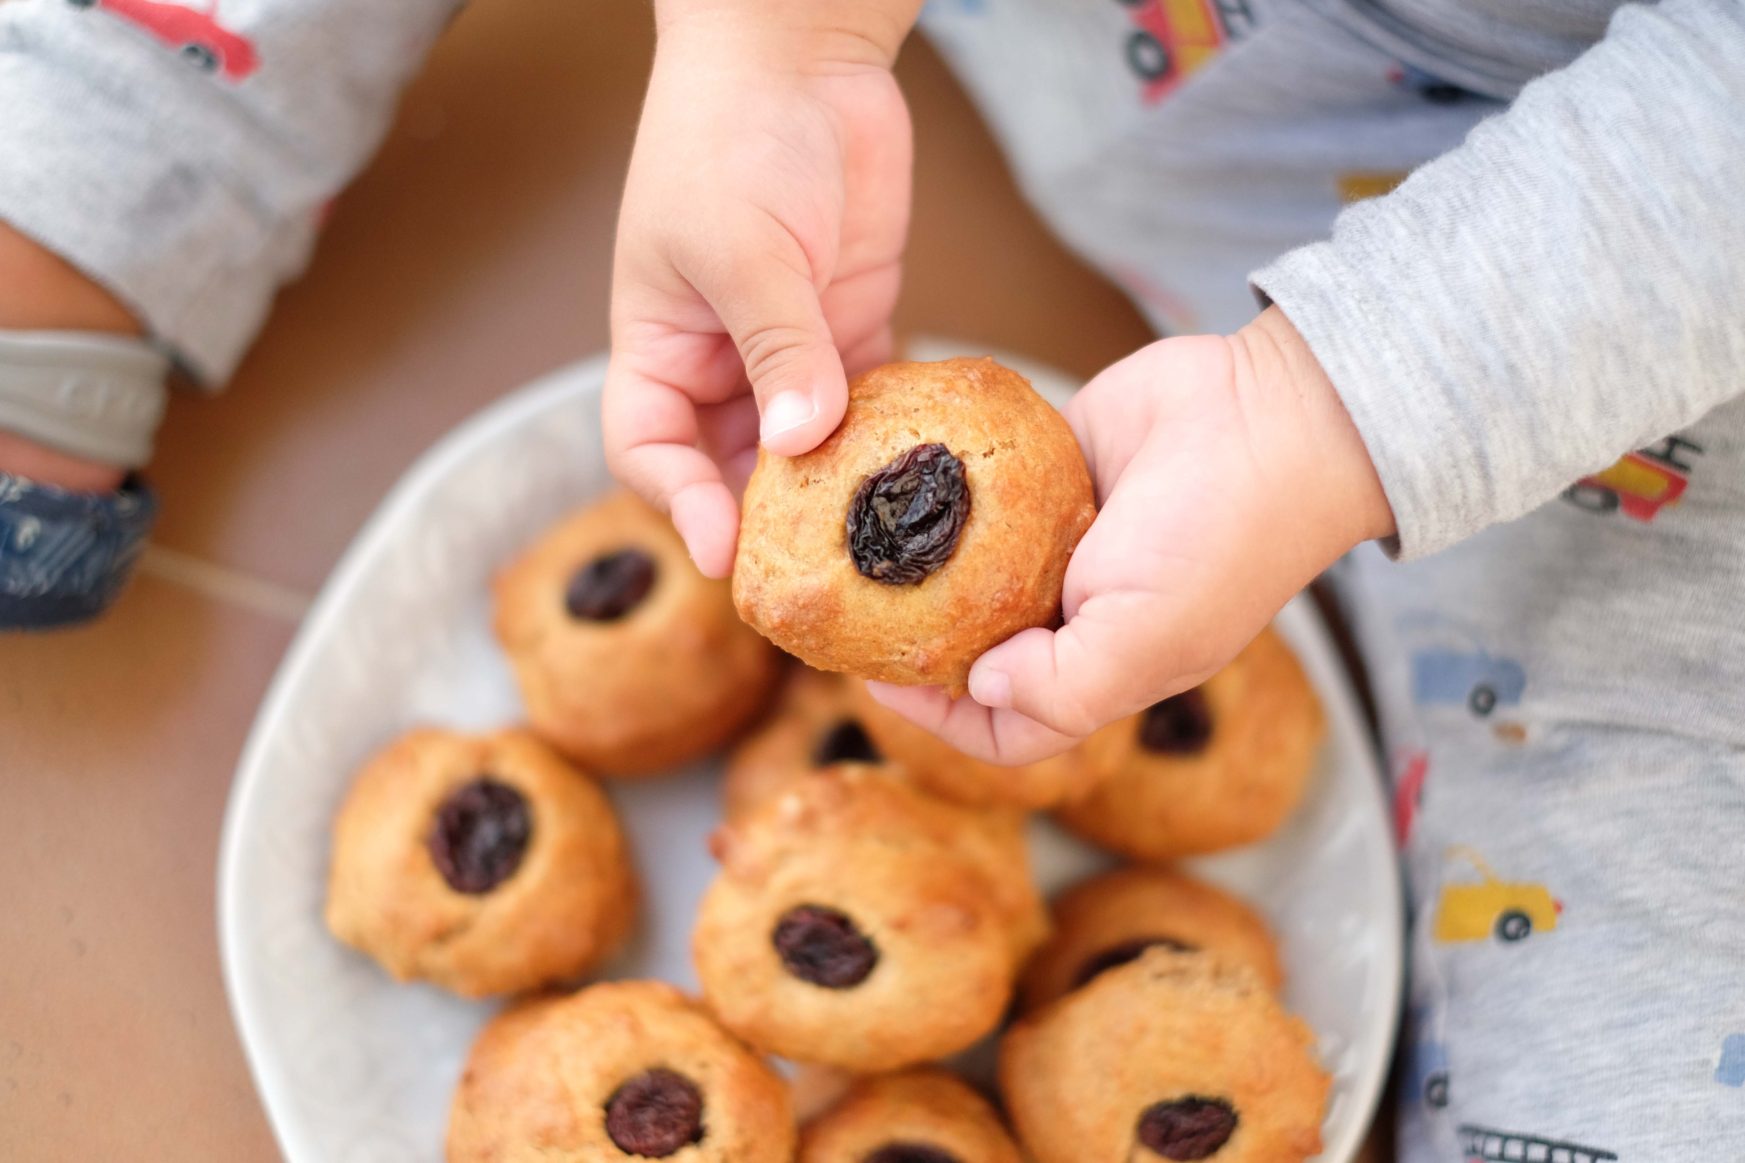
x: 1174, y: 38
x: 1640, y: 484
x: 193, y: 32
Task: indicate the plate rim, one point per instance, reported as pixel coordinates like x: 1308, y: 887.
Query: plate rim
x: 238, y: 959
x: 235, y: 955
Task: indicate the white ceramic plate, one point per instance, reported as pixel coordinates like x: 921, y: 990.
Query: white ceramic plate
x: 356, y: 1069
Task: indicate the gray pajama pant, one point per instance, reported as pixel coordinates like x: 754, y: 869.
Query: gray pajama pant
x: 1562, y: 694
x: 1540, y: 335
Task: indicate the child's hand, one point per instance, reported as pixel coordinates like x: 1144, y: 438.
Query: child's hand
x: 761, y: 235
x: 1228, y: 476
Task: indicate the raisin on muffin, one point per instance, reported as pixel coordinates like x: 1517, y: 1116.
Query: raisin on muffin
x: 628, y: 659
x: 1173, y: 1056
x: 482, y: 863
x: 626, y: 1070
x: 1214, y: 767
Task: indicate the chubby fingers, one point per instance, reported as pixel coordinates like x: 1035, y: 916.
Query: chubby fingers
x: 1000, y: 736
x: 652, y: 445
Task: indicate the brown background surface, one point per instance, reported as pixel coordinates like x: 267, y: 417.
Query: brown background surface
x: 471, y: 256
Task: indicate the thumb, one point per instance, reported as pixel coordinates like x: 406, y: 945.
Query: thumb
x: 1072, y: 680
x: 773, y: 313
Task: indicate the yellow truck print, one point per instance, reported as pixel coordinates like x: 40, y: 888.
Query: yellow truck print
x: 1491, y: 906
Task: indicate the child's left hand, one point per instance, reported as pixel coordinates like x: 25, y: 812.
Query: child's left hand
x: 1228, y: 476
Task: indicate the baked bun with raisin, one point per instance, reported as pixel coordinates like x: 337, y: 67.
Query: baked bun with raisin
x: 626, y: 1070
x: 934, y: 523
x: 1174, y: 1056
x: 859, y: 923
x: 1214, y: 767
x: 1108, y: 920
x: 482, y: 863
x: 628, y: 659
x: 814, y: 724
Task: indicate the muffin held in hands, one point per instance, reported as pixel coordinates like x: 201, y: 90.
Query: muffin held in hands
x: 859, y: 923
x: 485, y: 864
x: 919, y: 1116
x: 1174, y: 1056
x: 1109, y: 920
x: 814, y: 724
x: 627, y: 1070
x: 938, y: 767
x: 628, y: 659
x: 933, y: 524
x: 1217, y: 766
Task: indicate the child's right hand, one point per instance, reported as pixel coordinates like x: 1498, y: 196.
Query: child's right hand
x: 1228, y: 475
x: 761, y: 235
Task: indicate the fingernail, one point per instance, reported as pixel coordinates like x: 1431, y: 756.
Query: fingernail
x: 785, y: 412
x: 990, y: 687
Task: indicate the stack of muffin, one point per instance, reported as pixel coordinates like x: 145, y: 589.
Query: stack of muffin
x: 874, y: 913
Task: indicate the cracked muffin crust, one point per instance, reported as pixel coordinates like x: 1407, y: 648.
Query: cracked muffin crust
x: 482, y: 863
x: 934, y: 523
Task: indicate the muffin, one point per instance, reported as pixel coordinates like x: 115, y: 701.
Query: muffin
x: 628, y: 659
x: 1173, y: 1056
x: 938, y: 767
x: 482, y: 863
x: 861, y: 924
x: 918, y: 1116
x: 934, y: 523
x: 1109, y: 920
x: 1214, y: 767
x: 814, y: 724
x: 621, y: 1071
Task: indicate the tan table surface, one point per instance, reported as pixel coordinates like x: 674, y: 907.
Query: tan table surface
x: 472, y: 256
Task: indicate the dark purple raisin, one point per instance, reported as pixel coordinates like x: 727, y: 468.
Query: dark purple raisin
x: 910, y: 1153
x: 846, y: 742
x: 610, y: 586
x: 1179, y: 725
x: 905, y: 518
x: 1187, y: 1128
x: 1121, y: 954
x: 824, y: 947
x: 655, y: 1113
x: 480, y: 834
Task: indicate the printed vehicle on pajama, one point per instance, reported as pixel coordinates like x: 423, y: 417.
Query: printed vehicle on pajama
x: 1473, y: 912
x: 1453, y: 667
x: 1409, y: 792
x: 193, y: 32
x: 1730, y: 1071
x: 1426, y: 1079
x: 1484, y: 1145
x: 1173, y: 39
x: 1640, y: 484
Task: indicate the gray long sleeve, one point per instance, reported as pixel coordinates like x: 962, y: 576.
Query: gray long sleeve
x: 1567, y: 285
x: 182, y: 156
